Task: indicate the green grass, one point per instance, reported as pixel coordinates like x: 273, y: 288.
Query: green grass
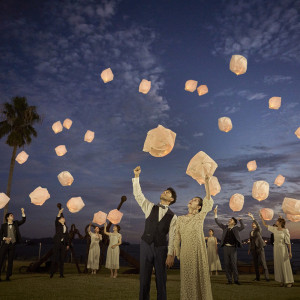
x: 126, y: 286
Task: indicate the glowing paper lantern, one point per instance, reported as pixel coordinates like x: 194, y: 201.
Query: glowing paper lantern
x: 291, y: 206
x: 89, y: 136
x: 260, y: 190
x: 267, y: 213
x: 65, y: 178
x: 99, y: 218
x: 214, y: 186
x: 191, y: 85
x: 200, y: 166
x: 225, y: 124
x: 251, y: 165
x: 57, y: 127
x: 22, y: 157
x: 107, y: 75
x: 202, y: 90
x: 274, y: 102
x: 67, y: 123
x: 238, y: 64
x: 293, y: 218
x: 115, y: 216
x: 145, y: 86
x: 159, y: 141
x: 75, y: 204
x: 236, y: 202
x: 297, y: 132
x: 39, y: 196
x: 3, y: 200
x: 279, y: 180
x: 61, y: 150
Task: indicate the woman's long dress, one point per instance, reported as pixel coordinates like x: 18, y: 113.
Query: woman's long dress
x: 191, y: 248
x: 113, y: 255
x: 282, y: 265
x: 212, y: 255
x: 94, y: 252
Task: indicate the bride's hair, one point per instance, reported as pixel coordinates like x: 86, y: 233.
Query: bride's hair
x: 200, y: 203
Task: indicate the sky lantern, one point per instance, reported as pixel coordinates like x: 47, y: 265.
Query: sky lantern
x: 99, y: 218
x: 225, y: 124
x: 65, y: 178
x: 3, y: 200
x: 191, y: 85
x: 214, y: 186
x: 75, y: 204
x: 61, y: 150
x: 200, y: 166
x: 107, y: 75
x: 159, y: 141
x: 89, y: 136
x: 293, y: 218
x: 57, y: 127
x: 238, y: 64
x: 39, y: 196
x: 279, y: 180
x: 115, y: 216
x: 251, y: 165
x: 22, y: 157
x: 67, y: 123
x: 202, y: 90
x: 297, y: 132
x: 260, y: 190
x: 275, y: 102
x: 236, y: 202
x: 145, y: 86
x: 291, y: 206
x: 267, y: 213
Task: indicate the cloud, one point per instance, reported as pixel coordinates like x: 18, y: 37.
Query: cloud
x: 198, y: 134
x: 274, y: 79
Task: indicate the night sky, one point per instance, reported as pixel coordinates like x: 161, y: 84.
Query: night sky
x: 53, y: 53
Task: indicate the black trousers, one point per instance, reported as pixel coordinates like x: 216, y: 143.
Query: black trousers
x: 150, y: 257
x: 230, y: 261
x: 58, y: 257
x: 8, y: 249
x: 258, y: 255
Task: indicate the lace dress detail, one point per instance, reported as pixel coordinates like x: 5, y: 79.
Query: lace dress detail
x: 212, y: 255
x: 190, y: 247
x: 94, y: 252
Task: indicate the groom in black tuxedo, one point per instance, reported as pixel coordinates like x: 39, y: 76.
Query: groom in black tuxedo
x: 9, y: 237
x: 61, y: 244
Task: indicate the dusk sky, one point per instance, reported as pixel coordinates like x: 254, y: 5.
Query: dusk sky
x: 53, y: 52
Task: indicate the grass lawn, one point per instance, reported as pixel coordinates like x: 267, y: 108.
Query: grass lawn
x: 126, y: 286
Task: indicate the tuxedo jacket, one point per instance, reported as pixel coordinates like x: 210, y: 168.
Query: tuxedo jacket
x: 59, y: 233
x: 236, y: 231
x: 4, y: 228
x: 257, y: 238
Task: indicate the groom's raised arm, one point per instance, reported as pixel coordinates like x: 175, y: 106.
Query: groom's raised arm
x: 144, y: 203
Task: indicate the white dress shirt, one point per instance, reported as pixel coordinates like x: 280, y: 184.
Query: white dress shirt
x: 147, y: 206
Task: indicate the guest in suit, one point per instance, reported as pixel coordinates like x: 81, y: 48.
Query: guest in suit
x: 230, y: 242
x: 155, y: 251
x: 9, y: 237
x: 61, y: 244
x: 256, y: 248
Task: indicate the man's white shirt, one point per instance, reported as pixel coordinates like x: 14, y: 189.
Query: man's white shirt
x: 147, y: 206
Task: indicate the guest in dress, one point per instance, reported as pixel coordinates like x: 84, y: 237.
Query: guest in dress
x: 113, y: 250
x: 256, y: 248
x: 94, y: 251
x: 282, y: 254
x: 190, y: 248
x: 212, y: 253
x: 9, y: 237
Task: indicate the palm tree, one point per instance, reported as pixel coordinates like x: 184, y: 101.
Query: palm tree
x: 16, y: 122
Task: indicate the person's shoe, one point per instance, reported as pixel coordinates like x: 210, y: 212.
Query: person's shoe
x: 256, y: 279
x: 229, y: 282
x: 51, y: 275
x: 61, y: 276
x: 236, y: 282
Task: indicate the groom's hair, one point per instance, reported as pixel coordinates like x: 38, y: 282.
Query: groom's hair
x: 200, y: 203
x: 174, y: 195
x: 235, y: 220
x: 7, y: 215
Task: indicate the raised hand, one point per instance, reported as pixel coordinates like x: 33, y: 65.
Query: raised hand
x: 22, y: 210
x: 137, y: 171
x: 250, y: 215
x: 216, y: 210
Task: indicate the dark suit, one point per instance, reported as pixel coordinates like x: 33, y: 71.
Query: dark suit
x: 230, y: 253
x: 61, y: 240
x: 256, y: 248
x: 9, y: 249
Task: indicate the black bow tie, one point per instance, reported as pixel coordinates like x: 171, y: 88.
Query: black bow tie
x: 160, y: 205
